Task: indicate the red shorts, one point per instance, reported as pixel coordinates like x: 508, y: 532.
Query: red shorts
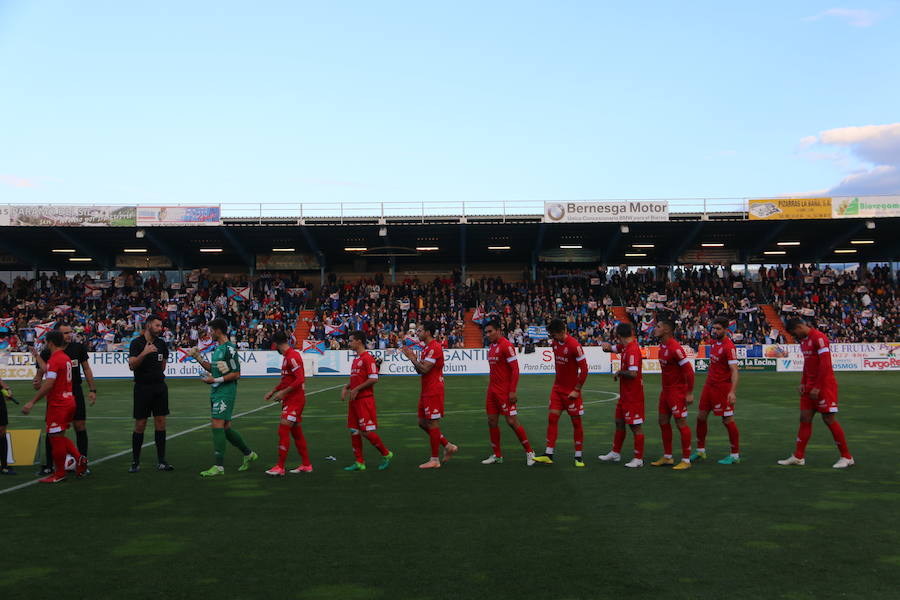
x: 361, y: 414
x: 630, y: 410
x: 714, y: 397
x: 826, y: 404
x: 60, y: 417
x: 431, y: 406
x: 497, y: 403
x: 559, y: 400
x: 292, y: 410
x: 672, y: 401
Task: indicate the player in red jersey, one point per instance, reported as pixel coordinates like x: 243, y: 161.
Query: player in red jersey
x: 57, y: 387
x: 360, y: 392
x: 290, y: 391
x: 431, y: 401
x: 677, y: 394
x: 571, y: 372
x: 718, y: 395
x: 501, y: 394
x: 818, y: 393
x: 630, y: 407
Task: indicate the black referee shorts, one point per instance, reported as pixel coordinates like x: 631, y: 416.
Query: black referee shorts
x: 151, y: 399
x: 4, y: 417
x: 80, y: 408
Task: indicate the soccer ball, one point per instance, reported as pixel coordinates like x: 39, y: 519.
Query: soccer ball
x: 70, y: 462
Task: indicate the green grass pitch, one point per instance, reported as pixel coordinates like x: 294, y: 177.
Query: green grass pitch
x: 755, y: 530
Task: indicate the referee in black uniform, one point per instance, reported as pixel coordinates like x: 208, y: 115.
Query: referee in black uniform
x: 78, y: 355
x: 5, y: 469
x: 147, y: 358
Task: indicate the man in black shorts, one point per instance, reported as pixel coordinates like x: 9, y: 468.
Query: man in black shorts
x: 5, y: 469
x: 77, y: 353
x: 147, y: 359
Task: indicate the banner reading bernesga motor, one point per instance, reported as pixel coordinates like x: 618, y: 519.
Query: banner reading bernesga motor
x: 616, y: 211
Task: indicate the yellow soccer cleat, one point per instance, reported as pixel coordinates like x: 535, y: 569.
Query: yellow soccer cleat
x: 663, y: 462
x: 682, y: 465
x: 547, y: 460
x: 579, y: 463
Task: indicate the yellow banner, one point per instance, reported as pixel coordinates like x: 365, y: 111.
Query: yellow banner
x: 23, y: 446
x: 789, y: 208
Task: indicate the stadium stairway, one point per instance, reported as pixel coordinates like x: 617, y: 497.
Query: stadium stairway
x: 621, y: 314
x: 301, y: 329
x: 774, y: 321
x: 472, y: 335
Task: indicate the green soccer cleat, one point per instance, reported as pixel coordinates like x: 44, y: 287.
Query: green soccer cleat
x: 698, y: 456
x: 579, y: 463
x: 248, y: 458
x: 357, y: 466
x: 213, y: 471
x: 730, y: 460
x: 386, y: 461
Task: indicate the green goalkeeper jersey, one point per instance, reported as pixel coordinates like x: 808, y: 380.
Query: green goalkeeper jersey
x: 224, y: 360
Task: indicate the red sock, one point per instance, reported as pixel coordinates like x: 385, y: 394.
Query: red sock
x: 375, y: 440
x: 356, y: 442
x: 685, y: 441
x: 495, y: 441
x: 837, y: 432
x: 578, y: 434
x: 701, y: 433
x: 618, y: 440
x: 552, y: 430
x: 639, y: 445
x: 666, y: 429
x: 444, y: 441
x: 284, y: 442
x: 733, y: 436
x: 300, y: 442
x: 523, y: 438
x: 435, y: 435
x: 58, y: 445
x: 803, y: 436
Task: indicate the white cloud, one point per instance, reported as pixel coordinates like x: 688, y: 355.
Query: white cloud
x: 855, y: 17
x: 877, y: 147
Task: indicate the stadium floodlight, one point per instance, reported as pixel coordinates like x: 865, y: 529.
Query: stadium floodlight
x: 427, y: 248
x: 870, y: 224
x: 63, y: 250
x: 788, y: 244
x: 134, y: 250
x: 498, y: 247
x: 712, y: 245
x: 624, y: 228
x: 283, y: 249
x: 643, y: 245
x: 139, y: 234
x: 210, y: 250
x: 774, y: 252
x: 845, y: 251
x: 571, y: 247
x: 80, y: 259
x: 355, y: 249
x: 861, y: 242
x: 635, y: 254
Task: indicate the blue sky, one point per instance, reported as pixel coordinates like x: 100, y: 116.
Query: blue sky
x: 220, y: 102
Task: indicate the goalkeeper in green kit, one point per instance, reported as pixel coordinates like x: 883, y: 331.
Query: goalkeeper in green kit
x: 225, y: 370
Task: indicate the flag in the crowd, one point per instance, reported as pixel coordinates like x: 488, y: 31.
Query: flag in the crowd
x: 413, y: 341
x: 336, y: 329
x: 732, y: 326
x: 4, y: 344
x: 647, y: 325
x: 314, y: 347
x: 62, y: 309
x: 207, y: 345
x: 101, y: 327
x: 93, y: 290
x: 6, y: 323
x: 41, y: 329
x: 184, y: 355
x: 238, y: 293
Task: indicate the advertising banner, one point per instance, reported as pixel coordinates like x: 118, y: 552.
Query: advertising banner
x: 150, y: 216
x: 72, y: 216
x: 286, y: 261
x: 596, y: 212
x: 865, y: 207
x: 776, y: 209
x: 701, y: 365
x: 143, y: 261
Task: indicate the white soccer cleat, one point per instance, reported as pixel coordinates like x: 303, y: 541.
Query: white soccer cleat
x: 491, y: 460
x: 611, y: 457
x: 843, y: 463
x: 635, y: 463
x: 792, y: 460
x: 529, y: 459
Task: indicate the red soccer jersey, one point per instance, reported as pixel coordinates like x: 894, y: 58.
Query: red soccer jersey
x: 722, y: 355
x: 292, y: 374
x: 59, y: 368
x: 504, y: 366
x: 672, y: 362
x: 433, y: 380
x: 363, y: 368
x: 817, y: 369
x: 571, y: 364
x: 631, y: 359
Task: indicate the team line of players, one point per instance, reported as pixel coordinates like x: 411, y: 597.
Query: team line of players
x: 818, y: 393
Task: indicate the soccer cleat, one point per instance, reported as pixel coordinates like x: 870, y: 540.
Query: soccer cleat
x: 302, y: 469
x: 665, y: 460
x: 546, y: 459
x: 792, y: 460
x: 52, y: 479
x: 134, y: 468
x: 386, y: 461
x: 431, y: 463
x: 635, y: 463
x: 492, y: 460
x: 213, y: 471
x: 682, y: 465
x: 81, y: 469
x: 449, y: 451
x: 843, y: 463
x: 530, y: 459
x: 7, y: 471
x: 164, y: 467
x: 357, y: 466
x: 45, y: 470
x: 730, y: 460
x: 248, y: 458
x: 611, y: 457
x: 579, y: 462
x: 698, y: 455
x: 276, y: 471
